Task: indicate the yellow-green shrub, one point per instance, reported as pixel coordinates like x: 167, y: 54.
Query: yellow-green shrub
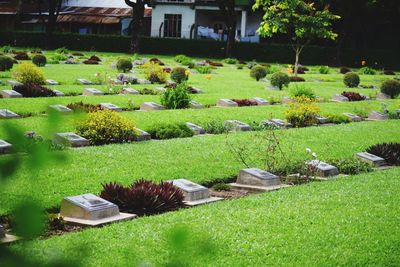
x: 154, y: 72
x: 106, y: 127
x: 302, y: 112
x: 28, y: 73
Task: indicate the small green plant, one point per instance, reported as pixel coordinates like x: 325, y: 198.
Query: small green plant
x: 28, y: 73
x: 176, y: 98
x: 367, y: 71
x: 351, y: 166
x: 168, y: 131
x: 280, y: 80
x: 302, y: 91
x: 323, y: 70
x: 154, y: 72
x: 302, y: 113
x: 181, y: 58
x: 39, y: 60
x: 240, y: 66
x: 124, y: 65
x: 204, y: 69
x: 221, y: 187
x: 391, y: 88
x: 215, y: 127
x: 7, y: 49
x: 179, y: 75
x: 258, y: 72
x: 62, y: 50
x: 59, y: 57
x: 6, y: 63
x: 351, y: 79
x: 338, y: 118
x: 230, y: 61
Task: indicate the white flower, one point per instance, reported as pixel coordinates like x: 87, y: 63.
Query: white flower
x: 314, y: 154
x: 308, y: 150
x: 110, y: 89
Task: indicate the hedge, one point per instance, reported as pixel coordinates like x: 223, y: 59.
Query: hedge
x: 282, y: 53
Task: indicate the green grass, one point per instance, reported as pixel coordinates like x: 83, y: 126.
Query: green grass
x: 351, y: 221
x: 199, y: 159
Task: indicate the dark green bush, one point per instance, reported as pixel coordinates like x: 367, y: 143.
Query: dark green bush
x: 39, y: 60
x: 391, y: 88
x: 168, y: 131
x: 280, y: 79
x: 204, y: 69
x: 179, y: 75
x: 367, y: 71
x: 124, y: 65
x: 323, y: 70
x: 351, y: 79
x: 258, y: 72
x: 6, y: 63
x: 176, y: 98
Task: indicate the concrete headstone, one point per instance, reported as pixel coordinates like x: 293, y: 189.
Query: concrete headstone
x: 260, y: 101
x: 10, y: 94
x: 151, y: 106
x: 237, y: 126
x: 129, y: 91
x: 195, y: 105
x: 5, y: 147
x: 51, y: 82
x: 142, y: 135
x: 353, y: 117
x: 323, y: 169
x: 195, y: 128
x: 339, y: 98
x: 257, y: 177
x: 61, y: 108
x: 287, y: 100
x: 381, y: 95
x: 91, y: 91
x: 371, y: 159
x: 281, y: 123
x: 110, y: 106
x: 58, y: 93
x: 191, y: 191
x: 8, y: 114
x: 14, y: 83
x: 322, y: 120
x: 84, y: 81
x: 143, y: 81
x: 70, y: 139
x: 226, y: 103
x: 375, y: 115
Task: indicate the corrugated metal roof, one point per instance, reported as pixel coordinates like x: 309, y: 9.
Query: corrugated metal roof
x: 6, y: 9
x: 87, y: 19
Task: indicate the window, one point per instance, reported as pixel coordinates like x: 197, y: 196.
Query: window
x: 172, y: 25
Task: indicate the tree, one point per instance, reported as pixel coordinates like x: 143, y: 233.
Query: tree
x: 227, y: 8
x: 299, y: 19
x: 138, y: 8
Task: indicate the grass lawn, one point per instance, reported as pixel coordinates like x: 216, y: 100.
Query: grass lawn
x: 349, y: 221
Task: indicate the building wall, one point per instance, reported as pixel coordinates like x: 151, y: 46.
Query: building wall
x: 188, y: 18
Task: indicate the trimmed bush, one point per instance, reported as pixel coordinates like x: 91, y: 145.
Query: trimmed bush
x: 179, y: 75
x: 176, y: 98
x: 280, y: 79
x: 107, y: 127
x: 154, y: 72
x: 39, y: 60
x: 323, y: 70
x: 33, y: 90
x: 6, y: 63
x: 182, y: 58
x: 168, y: 131
x: 338, y: 118
x: 302, y: 113
x: 124, y: 65
x: 351, y: 79
x: 367, y: 71
x: 230, y: 61
x: 29, y: 73
x: 353, y: 96
x: 258, y: 72
x: 83, y: 107
x: 391, y: 88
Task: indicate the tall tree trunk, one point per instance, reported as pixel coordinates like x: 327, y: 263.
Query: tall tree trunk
x: 296, y: 62
x: 54, y: 10
x: 136, y: 26
x: 227, y: 8
x: 18, y: 15
x: 231, y: 39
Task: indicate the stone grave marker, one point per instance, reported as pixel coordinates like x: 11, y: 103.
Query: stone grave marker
x: 10, y: 94
x: 61, y: 109
x: 51, y: 82
x: 129, y: 91
x: 116, y: 81
x: 286, y: 100
x: 381, y: 95
x: 271, y: 87
x: 142, y: 136
x: 260, y: 101
x: 84, y: 81
x: 70, y: 139
x: 226, y: 103
x: 281, y: 123
x: 159, y: 89
x: 323, y: 169
x: 91, y: 91
x: 8, y: 114
x: 14, y: 83
x: 375, y: 115
x: 339, y: 98
x: 88, y: 209
x: 6, y: 238
x: 58, y: 93
x: 151, y: 106
x: 170, y: 83
x: 254, y: 179
x: 5, y: 147
x: 237, y: 126
x: 143, y: 81
x: 371, y: 159
x: 196, y: 105
x: 195, y: 90
x: 353, y: 117
x: 194, y: 194
x: 195, y: 128
x: 322, y: 120
x: 110, y: 106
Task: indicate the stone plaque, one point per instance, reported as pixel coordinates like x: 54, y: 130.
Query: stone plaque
x: 10, y: 94
x: 353, y: 117
x: 196, y: 105
x: 375, y: 115
x: 70, y: 139
x: 52, y: 82
x: 191, y: 191
x: 61, y: 108
x: 268, y: 124
x: 115, y: 81
x: 371, y: 159
x: 339, y: 98
x: 129, y: 91
x: 280, y: 123
x: 381, y: 95
x: 322, y: 120
x: 58, y: 93
x: 142, y: 135
x: 257, y: 177
x: 237, y: 126
x: 91, y: 91
x: 195, y: 90
x: 14, y: 83
x: 151, y: 106
x: 159, y: 89
x: 8, y: 114
x: 226, y: 103
x: 271, y: 87
x: 143, y: 81
x: 110, y: 107
x: 195, y: 128
x: 260, y: 101
x: 5, y: 147
x: 170, y: 83
x: 323, y: 169
x: 286, y: 100
x: 84, y: 81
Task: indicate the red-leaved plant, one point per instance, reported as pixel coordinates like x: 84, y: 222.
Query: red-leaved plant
x: 353, y: 96
x: 245, y: 102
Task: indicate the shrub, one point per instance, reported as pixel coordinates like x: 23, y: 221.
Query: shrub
x: 351, y: 79
x: 33, y: 90
x: 353, y: 96
x: 258, y: 72
x: 389, y: 72
x: 389, y: 151
x: 62, y: 50
x: 367, y: 71
x: 230, y: 61
x: 302, y: 91
x: 239, y: 66
x: 91, y: 62
x: 7, y: 49
x: 154, y: 73
x: 215, y: 127
x: 39, y: 60
x: 176, y: 98
x: 344, y: 70
x: 221, y: 187
x: 245, y: 102
x: 323, y: 70
x: 124, y: 65
x: 106, y: 127
x: 204, y: 69
x: 168, y: 131
x: 83, y: 107
x: 127, y: 78
x: 95, y: 58
x: 149, y: 91
x: 302, y: 113
x: 144, y: 197
x: 280, y: 79
x: 29, y: 73
x: 181, y: 58
x: 59, y: 57
x: 214, y: 64
x: 297, y: 79
x: 157, y: 61
x: 77, y: 54
x: 338, y: 118
x: 6, y: 63
x: 21, y: 56
x: 391, y: 88
x: 179, y: 75
x: 351, y: 166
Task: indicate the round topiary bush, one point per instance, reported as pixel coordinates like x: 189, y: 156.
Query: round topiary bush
x: 6, y: 63
x: 258, y: 72
x: 280, y: 79
x: 39, y: 60
x: 124, y: 65
x: 351, y: 79
x: 391, y: 88
x: 179, y: 75
x: 28, y: 73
